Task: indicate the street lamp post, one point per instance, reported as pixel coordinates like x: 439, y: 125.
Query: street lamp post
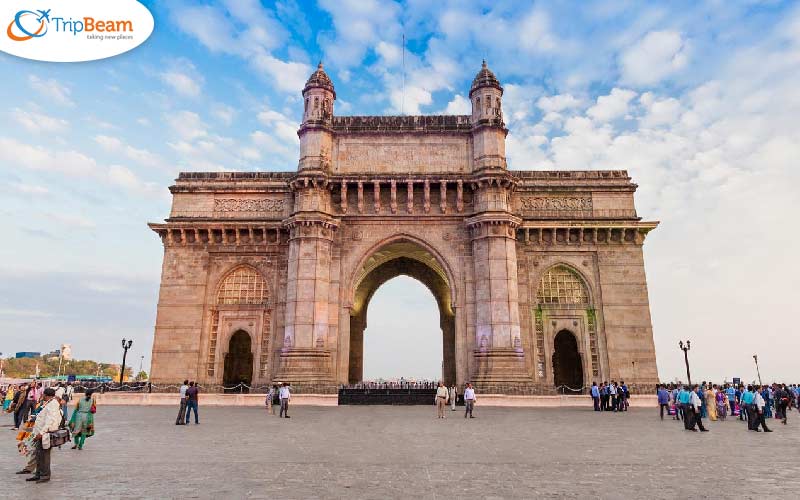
x: 685, y: 349
x: 755, y: 358
x: 126, y: 344
x: 141, y: 363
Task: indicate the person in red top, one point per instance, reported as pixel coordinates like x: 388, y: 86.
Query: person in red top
x: 191, y: 401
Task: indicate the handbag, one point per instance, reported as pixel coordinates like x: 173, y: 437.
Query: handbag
x: 59, y: 437
x: 93, y: 409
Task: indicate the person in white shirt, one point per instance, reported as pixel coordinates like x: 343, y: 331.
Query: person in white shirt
x: 182, y: 409
x: 48, y: 420
x: 441, y: 399
x: 469, y: 400
x: 759, y: 416
x: 696, y: 402
x: 285, y: 395
x: 453, y: 396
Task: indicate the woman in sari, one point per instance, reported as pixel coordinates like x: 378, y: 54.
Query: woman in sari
x: 722, y: 404
x: 10, y: 391
x: 82, y: 421
x: 711, y: 403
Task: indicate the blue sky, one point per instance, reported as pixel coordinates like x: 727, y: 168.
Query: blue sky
x: 698, y: 100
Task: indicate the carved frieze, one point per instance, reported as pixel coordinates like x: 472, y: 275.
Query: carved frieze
x: 561, y: 203
x: 228, y: 205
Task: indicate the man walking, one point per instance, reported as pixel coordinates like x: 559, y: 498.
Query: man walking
x: 748, y: 399
x: 782, y: 399
x: 48, y: 420
x: 696, y: 403
x: 270, y: 397
x: 469, y: 400
x: 596, y: 396
x: 191, y: 401
x: 663, y: 400
x: 182, y: 409
x: 285, y: 395
x: 758, y: 409
x: 684, y: 400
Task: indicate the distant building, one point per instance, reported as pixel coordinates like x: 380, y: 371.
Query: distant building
x: 28, y: 354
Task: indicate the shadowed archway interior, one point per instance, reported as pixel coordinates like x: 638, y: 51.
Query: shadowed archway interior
x: 567, y: 367
x: 239, y: 360
x: 406, y: 259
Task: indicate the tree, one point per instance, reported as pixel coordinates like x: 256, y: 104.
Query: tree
x: 142, y: 375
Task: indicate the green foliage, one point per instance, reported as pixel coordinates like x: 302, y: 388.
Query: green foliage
x: 26, y: 367
x: 142, y: 375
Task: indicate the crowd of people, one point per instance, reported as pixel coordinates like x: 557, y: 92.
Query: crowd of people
x: 610, y: 397
x: 42, y: 420
x: 392, y: 384
x: 752, y: 403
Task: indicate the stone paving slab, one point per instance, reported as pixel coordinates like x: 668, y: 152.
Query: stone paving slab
x: 405, y: 452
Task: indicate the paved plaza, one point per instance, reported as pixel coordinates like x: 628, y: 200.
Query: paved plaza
x: 405, y: 452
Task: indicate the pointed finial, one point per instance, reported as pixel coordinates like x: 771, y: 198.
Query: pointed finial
x: 319, y: 66
x: 483, y: 65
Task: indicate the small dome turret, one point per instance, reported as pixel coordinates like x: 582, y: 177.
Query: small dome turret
x: 319, y: 79
x: 485, y: 78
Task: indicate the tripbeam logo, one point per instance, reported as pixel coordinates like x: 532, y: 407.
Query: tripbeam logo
x: 37, y: 29
x: 78, y: 30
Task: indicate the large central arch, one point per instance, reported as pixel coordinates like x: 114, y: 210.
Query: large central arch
x: 407, y: 257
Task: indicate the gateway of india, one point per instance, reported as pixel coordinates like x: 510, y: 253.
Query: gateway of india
x: 538, y: 275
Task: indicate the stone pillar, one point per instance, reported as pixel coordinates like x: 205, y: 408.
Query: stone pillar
x: 499, y: 355
x: 306, y: 355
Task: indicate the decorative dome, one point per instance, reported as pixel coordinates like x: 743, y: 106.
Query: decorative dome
x: 485, y: 78
x: 319, y: 79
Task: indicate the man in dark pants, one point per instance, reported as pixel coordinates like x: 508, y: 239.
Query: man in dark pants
x: 758, y: 409
x: 596, y: 396
x: 48, y: 420
x: 663, y: 400
x: 746, y: 405
x: 192, y: 401
x: 182, y: 409
x: 695, y: 405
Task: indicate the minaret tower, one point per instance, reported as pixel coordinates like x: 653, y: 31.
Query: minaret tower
x: 306, y: 353
x: 499, y: 355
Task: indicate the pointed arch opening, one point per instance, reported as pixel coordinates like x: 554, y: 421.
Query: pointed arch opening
x: 401, y: 257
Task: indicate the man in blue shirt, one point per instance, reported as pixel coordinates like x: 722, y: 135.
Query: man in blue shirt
x: 748, y: 399
x: 596, y: 396
x: 731, y: 393
x: 663, y: 400
x: 684, y: 400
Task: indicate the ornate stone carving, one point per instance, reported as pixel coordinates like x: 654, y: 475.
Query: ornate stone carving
x: 248, y: 205
x: 556, y: 203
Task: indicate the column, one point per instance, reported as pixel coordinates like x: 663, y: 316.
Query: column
x: 360, y: 197
x: 344, y: 197
x: 460, y: 196
x: 376, y: 185
x: 393, y: 203
x: 426, y: 196
x: 443, y: 196
x: 410, y: 198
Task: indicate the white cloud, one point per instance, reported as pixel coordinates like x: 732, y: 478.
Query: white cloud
x: 73, y: 220
x: 141, y: 156
x: 409, y: 102
x: 31, y: 189
x: 182, y: 76
x: 52, y: 89
x: 186, y: 124
x: 460, y: 105
x: 659, y: 111
x: 535, y: 34
x: 557, y: 103
x: 655, y: 57
x: 611, y: 106
x: 287, y: 76
x: 36, y: 121
x: 223, y: 113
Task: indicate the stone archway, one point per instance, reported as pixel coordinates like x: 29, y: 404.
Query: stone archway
x: 410, y: 259
x: 238, y: 367
x: 567, y: 364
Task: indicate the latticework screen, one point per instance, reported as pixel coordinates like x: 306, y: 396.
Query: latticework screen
x: 243, y: 286
x: 561, y: 285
